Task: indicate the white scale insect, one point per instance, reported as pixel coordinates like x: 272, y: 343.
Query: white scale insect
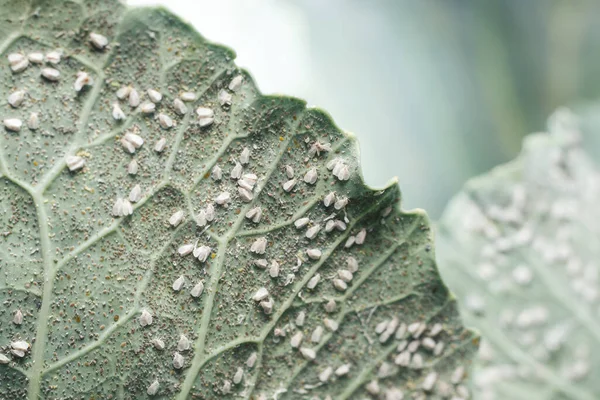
x: 131, y: 142
x: 301, y: 222
x: 184, y: 343
x: 178, y: 361
x: 51, y: 74
x: 16, y: 98
x: 160, y: 145
x: 180, y: 107
x: 317, y: 334
x: 245, y: 156
x: 202, y: 253
x: 18, y: 318
x: 236, y: 83
x: 123, y: 92
x: 325, y: 374
x: 254, y: 214
x: 274, y: 269
x: 251, y: 360
x: 132, y: 167
x: 311, y: 176
x: 308, y: 353
x: 153, y: 388
x: 313, y: 254
x: 98, y: 41
x: 83, y: 79
x: 296, y: 340
x: 117, y: 112
x: 216, y: 173
x: 18, y: 62
x: 154, y: 95
x: 134, y: 98
x: 165, y: 121
x: 36, y: 57
x: 33, y: 122
x: 312, y: 232
x: 259, y: 246
x: 122, y: 208
x: 148, y: 107
x: 135, y: 194
x: 178, y: 283
x: 176, y: 218
x: 53, y: 57
x: 289, y: 185
x: 223, y: 198
x: 260, y: 294
x: 312, y: 283
x: 197, y: 289
x: 145, y: 318
x: 239, y: 375
x: 13, y: 124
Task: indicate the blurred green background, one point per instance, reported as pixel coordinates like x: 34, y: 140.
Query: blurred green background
x: 436, y: 90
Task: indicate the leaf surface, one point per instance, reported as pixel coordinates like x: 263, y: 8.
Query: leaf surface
x: 176, y: 288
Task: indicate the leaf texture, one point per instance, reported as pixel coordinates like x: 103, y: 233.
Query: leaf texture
x: 163, y: 224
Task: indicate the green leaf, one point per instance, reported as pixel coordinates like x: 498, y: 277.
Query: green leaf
x: 92, y: 262
x: 520, y: 249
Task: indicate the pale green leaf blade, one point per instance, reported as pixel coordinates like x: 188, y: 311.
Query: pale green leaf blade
x: 520, y: 249
x: 97, y: 227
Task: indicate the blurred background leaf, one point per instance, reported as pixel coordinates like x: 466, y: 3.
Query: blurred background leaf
x: 436, y: 90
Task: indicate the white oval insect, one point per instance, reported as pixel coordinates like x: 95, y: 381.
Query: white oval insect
x: 296, y: 340
x: 331, y: 324
x: 178, y: 361
x: 261, y: 263
x: 267, y: 306
x: 254, y: 214
x: 260, y: 294
x: 154, y: 95
x: 360, y: 236
x: 51, y: 74
x: 33, y: 122
x: 134, y: 98
x: 18, y: 318
x: 4, y: 359
x: 312, y: 232
x: 197, y: 289
x: 329, y: 199
x: 132, y: 167
x: 330, y: 306
x: 145, y: 318
x: 165, y: 121
x: 300, y: 318
x: 225, y: 98
x: 158, y: 344
x: 289, y: 185
x: 312, y: 283
x: 178, y: 283
x: 346, y: 276
x: 147, y: 107
x: 308, y: 353
x: 352, y: 264
x: 245, y: 156
x: 184, y: 343
x: 75, y: 162
x: 259, y: 246
x: 117, y: 112
x: 343, y: 369
x: 83, y: 79
x: 236, y: 172
x: 36, y: 57
x: 251, y: 359
x: 223, y: 198
x: 216, y: 173
x: 135, y: 194
x: 325, y: 374
x: 301, y: 222
x: 123, y: 92
x: 160, y: 145
x: 16, y: 98
x: 53, y: 57
x: 202, y: 253
x: 313, y: 254
x: 180, y: 107
x: 236, y: 83
x: 317, y: 334
x: 153, y: 388
x: 274, y: 269
x: 311, y: 176
x: 245, y: 195
x: 176, y: 218
x: 98, y: 41
x: 239, y: 375
x: 13, y: 124
x: 339, y: 284
x: 187, y: 96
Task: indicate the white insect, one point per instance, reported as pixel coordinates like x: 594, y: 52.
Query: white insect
x: 289, y: 171
x: 184, y: 343
x: 429, y: 381
x: 18, y: 62
x: 340, y: 203
x: 223, y: 198
x: 206, y: 116
x: 330, y: 306
x: 259, y: 246
x: 51, y: 74
x: 122, y: 208
x: 75, y: 162
x: 185, y: 249
x: 187, y: 96
x: 312, y: 283
x: 313, y: 254
x: 99, y: 41
x: 239, y: 375
x: 134, y: 98
x: 329, y: 199
x: 342, y: 369
x: 317, y: 334
x: 317, y: 148
x: 312, y: 232
x: 153, y: 388
x: 36, y: 57
x: 210, y: 212
x: 261, y: 263
x: 160, y: 145
x: 154, y: 95
x: 343, y: 173
x: 331, y: 324
x: 147, y: 107
x: 373, y: 387
x: 226, y: 389
x: 307, y: 353
x: 83, y: 79
x: 19, y: 348
x: 296, y: 340
x: 178, y: 361
x: 236, y: 172
x: 16, y: 98
x: 301, y: 222
x: 145, y: 318
x: 202, y: 253
x: 254, y: 214
x: 201, y: 218
x: 117, y: 112
x: 178, y: 283
x: 131, y: 142
x: 340, y: 285
x: 217, y: 173
x: 311, y: 176
x: 289, y: 185
x: 33, y: 122
x: 403, y: 359
x: 352, y: 264
x: 325, y: 374
x: 225, y: 98
x: 346, y: 276
x: 260, y: 294
x: 245, y: 156
x: 180, y: 107
x: 132, y: 167
x: 197, y: 289
x: 245, y: 195
x: 274, y: 269
x: 267, y: 306
x: 251, y: 360
x: 18, y: 317
x: 176, y: 218
x: 458, y: 375
x: 123, y: 92
x: 360, y: 236
x: 53, y: 57
x: 4, y: 359
x: 236, y: 83
x: 165, y: 121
